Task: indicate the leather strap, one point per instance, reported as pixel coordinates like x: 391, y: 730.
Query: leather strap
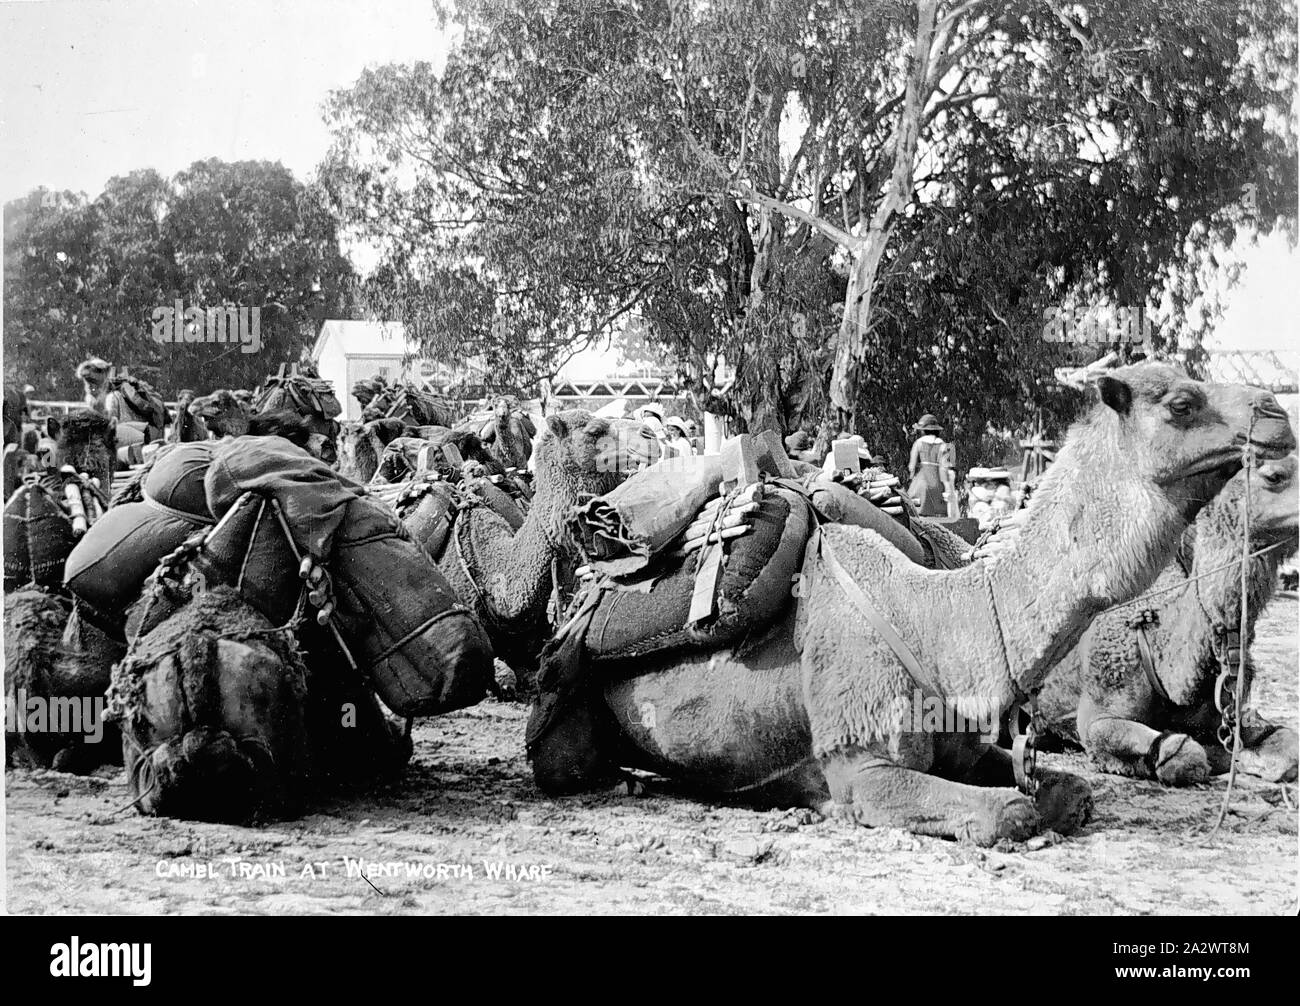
x: 821, y: 547
x: 1148, y: 663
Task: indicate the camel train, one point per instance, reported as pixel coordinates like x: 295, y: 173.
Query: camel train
x: 755, y: 627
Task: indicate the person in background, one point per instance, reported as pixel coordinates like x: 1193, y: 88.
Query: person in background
x: 928, y: 467
x: 652, y: 414
x: 990, y: 495
x: 675, y: 430
x: 693, y: 435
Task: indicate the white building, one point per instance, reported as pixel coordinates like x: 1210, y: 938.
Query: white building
x: 351, y: 351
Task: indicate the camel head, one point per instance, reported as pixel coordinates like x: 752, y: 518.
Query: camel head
x: 93, y: 374
x: 223, y: 413
x: 590, y: 454
x: 363, y: 446
x: 365, y: 391
x: 85, y: 440
x: 1178, y: 433
x: 1274, y: 504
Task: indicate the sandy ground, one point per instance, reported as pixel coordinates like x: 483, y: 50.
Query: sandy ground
x: 467, y: 803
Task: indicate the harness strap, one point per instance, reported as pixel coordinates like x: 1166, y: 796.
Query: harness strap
x: 1146, y: 659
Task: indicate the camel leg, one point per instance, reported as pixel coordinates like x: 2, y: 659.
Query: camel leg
x: 569, y: 757
x: 1122, y: 746
x: 875, y: 791
x: 1064, y: 801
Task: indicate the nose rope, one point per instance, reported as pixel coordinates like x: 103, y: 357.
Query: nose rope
x: 1248, y: 463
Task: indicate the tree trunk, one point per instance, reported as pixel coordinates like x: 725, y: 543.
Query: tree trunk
x: 851, y: 339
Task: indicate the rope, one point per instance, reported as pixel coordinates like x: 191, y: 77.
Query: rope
x: 1200, y: 576
x: 1248, y: 463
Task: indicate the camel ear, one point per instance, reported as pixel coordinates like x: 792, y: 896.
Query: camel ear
x: 52, y: 427
x: 558, y: 426
x: 1115, y: 393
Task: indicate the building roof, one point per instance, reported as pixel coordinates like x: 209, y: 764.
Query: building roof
x: 365, y: 338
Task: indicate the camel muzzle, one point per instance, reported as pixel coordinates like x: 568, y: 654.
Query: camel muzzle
x: 1270, y: 430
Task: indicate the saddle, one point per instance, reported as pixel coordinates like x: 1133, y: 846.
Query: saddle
x: 140, y: 398
x: 309, y: 396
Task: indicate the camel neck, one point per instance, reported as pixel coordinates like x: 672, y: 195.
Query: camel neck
x: 534, y: 548
x: 1194, y: 618
x: 1096, y: 534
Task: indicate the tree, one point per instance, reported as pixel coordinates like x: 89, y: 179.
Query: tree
x: 788, y: 186
x: 84, y: 277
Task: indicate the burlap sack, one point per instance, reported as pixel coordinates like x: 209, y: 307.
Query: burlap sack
x: 423, y: 652
x: 37, y: 537
x: 211, y: 705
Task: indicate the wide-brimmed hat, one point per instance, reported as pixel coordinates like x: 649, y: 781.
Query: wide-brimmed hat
x: 927, y: 422
x: 653, y: 409
x: 676, y: 422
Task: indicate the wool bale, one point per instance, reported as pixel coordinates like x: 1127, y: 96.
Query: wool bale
x: 423, y: 652
x: 38, y: 537
x: 428, y: 512
x: 248, y: 552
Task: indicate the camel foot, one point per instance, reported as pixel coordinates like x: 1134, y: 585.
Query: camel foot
x: 871, y: 791
x: 1179, y: 761
x: 1274, y: 759
x: 1063, y: 801
x: 1016, y: 818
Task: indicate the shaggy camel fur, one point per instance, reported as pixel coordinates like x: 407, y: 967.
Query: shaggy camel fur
x: 1165, y: 729
x: 507, y: 577
x: 824, y: 713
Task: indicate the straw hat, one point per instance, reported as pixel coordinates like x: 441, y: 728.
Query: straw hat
x: 653, y: 409
x: 676, y: 422
x: 927, y: 423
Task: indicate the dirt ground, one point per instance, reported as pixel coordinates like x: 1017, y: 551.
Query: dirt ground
x: 467, y: 805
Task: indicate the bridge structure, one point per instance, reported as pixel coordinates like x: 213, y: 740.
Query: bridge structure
x: 1261, y: 368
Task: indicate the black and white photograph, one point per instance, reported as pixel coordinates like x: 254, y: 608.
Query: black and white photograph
x: 652, y: 458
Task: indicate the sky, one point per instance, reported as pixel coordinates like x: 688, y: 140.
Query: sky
x: 90, y: 89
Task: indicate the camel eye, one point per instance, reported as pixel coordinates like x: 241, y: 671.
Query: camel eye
x: 1182, y: 407
x: 1271, y: 476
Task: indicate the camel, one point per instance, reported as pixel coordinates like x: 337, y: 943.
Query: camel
x: 64, y: 665
x: 1154, y: 717
x: 509, y: 433
x: 222, y: 413
x: 129, y: 401
x: 412, y: 407
x: 822, y: 712
x: 188, y: 427
x: 364, y: 447
x: 303, y: 391
x: 93, y: 374
x: 87, y: 441
x: 508, y: 577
